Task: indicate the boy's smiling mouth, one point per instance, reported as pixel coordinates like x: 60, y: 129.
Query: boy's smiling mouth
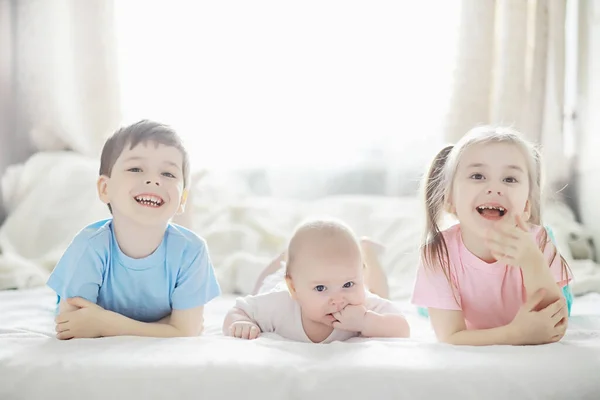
x: 149, y: 200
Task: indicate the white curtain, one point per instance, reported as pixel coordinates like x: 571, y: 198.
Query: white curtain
x: 67, y: 92
x: 511, y: 71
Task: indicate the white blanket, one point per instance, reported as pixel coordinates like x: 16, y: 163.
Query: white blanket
x: 34, y: 365
x: 53, y: 195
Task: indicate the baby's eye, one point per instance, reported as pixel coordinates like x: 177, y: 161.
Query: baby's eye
x: 320, y: 288
x: 348, y: 285
x: 510, y: 179
x: 135, y: 169
x: 168, y: 175
x: 477, y: 176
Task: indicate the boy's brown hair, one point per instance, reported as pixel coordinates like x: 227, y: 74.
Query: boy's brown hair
x: 142, y: 132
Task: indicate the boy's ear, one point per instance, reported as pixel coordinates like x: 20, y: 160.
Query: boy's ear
x: 290, y: 285
x: 102, y: 186
x: 184, y: 197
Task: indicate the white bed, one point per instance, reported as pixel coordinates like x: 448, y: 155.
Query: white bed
x: 34, y: 365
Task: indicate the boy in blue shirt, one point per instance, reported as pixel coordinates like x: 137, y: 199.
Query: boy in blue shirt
x: 136, y: 273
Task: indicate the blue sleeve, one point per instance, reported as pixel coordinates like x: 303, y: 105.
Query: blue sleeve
x: 78, y: 273
x: 196, y: 282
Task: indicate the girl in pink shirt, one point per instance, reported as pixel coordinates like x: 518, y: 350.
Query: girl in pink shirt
x: 495, y: 277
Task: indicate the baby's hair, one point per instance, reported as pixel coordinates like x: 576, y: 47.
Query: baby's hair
x: 437, y: 186
x: 141, y: 132
x: 323, y: 228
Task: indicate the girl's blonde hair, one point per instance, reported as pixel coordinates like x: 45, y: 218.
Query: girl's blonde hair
x: 437, y: 190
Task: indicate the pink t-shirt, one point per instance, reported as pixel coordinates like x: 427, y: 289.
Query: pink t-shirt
x: 489, y: 295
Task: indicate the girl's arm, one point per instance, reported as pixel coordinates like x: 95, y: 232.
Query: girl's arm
x: 528, y: 327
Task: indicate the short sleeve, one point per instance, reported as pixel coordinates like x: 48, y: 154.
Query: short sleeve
x: 433, y: 290
x: 79, y: 273
x: 196, y: 282
x: 562, y: 275
x: 266, y: 310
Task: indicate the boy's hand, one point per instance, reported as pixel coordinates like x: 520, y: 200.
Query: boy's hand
x: 244, y: 330
x: 86, y: 322
x: 513, y: 245
x: 352, y: 318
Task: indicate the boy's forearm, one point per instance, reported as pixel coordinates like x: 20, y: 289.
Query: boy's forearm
x: 120, y: 325
x: 536, y: 276
x: 385, y: 325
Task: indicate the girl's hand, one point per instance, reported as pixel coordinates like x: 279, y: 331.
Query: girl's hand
x: 539, y: 327
x: 513, y: 245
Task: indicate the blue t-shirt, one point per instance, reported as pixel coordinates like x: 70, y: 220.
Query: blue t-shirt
x: 178, y: 275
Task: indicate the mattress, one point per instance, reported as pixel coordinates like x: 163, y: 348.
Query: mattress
x: 35, y: 365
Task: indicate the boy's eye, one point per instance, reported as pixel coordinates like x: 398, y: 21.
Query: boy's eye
x: 135, y: 169
x: 168, y: 175
x: 348, y: 285
x: 477, y: 176
x: 320, y: 288
x: 510, y: 179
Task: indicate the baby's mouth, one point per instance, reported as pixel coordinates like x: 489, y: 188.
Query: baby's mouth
x: 149, y: 200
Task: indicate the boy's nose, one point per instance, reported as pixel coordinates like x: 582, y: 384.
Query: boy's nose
x: 149, y: 182
x: 490, y: 191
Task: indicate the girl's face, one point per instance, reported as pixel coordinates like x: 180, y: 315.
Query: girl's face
x: 491, y: 184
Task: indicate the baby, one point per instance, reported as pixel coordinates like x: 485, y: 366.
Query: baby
x: 325, y: 300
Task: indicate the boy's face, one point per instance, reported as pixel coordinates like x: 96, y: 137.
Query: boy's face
x: 146, y: 184
x: 326, y: 277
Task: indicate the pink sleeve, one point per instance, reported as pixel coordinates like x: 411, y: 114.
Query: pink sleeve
x: 432, y: 290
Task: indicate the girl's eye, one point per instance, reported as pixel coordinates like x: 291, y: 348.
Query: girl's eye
x: 510, y: 179
x: 168, y: 175
x: 477, y: 176
x: 135, y: 169
x: 348, y: 285
x: 320, y: 288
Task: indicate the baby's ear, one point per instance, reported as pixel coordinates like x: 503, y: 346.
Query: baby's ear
x: 291, y: 288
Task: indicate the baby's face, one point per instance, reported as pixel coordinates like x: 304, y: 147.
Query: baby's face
x: 146, y: 184
x: 327, y: 280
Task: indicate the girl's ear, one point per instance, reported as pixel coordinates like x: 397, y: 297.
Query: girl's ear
x: 527, y: 211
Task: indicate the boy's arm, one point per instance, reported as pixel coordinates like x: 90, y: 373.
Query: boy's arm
x: 90, y: 320
x: 180, y: 323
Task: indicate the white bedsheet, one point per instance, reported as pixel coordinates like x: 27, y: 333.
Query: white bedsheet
x: 34, y: 365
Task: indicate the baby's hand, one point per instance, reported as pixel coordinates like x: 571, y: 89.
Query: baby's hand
x: 351, y: 318
x: 244, y: 330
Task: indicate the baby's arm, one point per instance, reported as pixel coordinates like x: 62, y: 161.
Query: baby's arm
x: 385, y: 325
x: 238, y: 324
